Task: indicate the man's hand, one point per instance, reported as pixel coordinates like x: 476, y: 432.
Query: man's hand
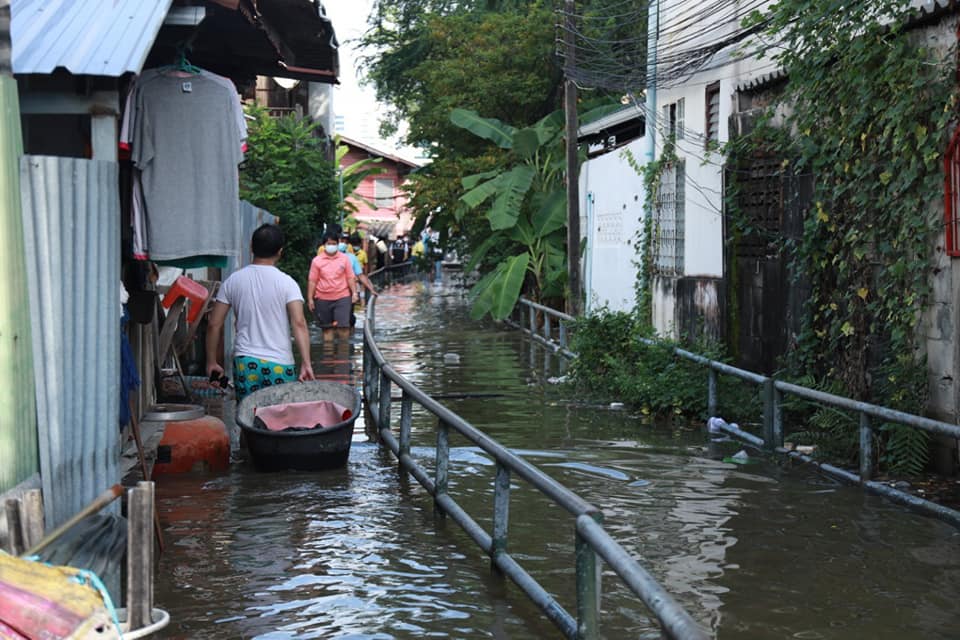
x: 306, y: 372
x: 310, y: 305
x: 214, y: 372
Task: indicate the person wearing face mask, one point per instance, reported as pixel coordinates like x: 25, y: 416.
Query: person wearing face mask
x: 331, y: 286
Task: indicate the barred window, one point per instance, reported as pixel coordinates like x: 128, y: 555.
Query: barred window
x: 668, y: 222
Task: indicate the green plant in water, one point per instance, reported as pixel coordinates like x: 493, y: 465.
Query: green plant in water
x: 616, y: 362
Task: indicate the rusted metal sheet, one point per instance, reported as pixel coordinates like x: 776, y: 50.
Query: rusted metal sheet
x: 71, y: 219
x: 18, y: 424
x: 85, y: 37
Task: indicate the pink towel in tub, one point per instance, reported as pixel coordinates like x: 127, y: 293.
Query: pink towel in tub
x: 300, y: 415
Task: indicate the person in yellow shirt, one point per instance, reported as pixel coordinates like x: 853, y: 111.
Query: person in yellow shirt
x: 356, y: 244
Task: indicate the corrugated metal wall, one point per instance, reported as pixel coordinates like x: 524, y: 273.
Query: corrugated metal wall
x: 71, y: 218
x: 18, y: 420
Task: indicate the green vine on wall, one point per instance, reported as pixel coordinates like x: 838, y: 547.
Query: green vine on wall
x: 652, y: 172
x: 866, y: 110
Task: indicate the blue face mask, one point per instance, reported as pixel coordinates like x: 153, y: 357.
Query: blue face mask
x: 342, y: 246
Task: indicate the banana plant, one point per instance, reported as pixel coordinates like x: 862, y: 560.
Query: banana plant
x: 526, y: 208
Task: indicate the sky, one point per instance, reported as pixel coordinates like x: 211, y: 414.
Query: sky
x: 355, y: 104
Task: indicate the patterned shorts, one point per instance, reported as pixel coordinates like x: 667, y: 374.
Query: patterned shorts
x: 251, y: 374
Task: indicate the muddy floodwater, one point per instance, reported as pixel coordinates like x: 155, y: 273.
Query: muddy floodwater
x: 753, y: 551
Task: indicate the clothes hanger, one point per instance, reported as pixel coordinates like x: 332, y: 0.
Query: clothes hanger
x: 181, y: 64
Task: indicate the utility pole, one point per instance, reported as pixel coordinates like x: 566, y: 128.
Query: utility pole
x: 573, y: 173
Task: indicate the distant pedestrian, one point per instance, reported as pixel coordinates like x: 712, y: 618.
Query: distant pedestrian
x: 400, y: 250
x: 267, y: 304
x: 331, y: 286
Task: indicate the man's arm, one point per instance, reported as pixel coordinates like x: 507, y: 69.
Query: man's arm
x: 301, y: 336
x: 365, y: 281
x: 311, y: 287
x: 215, y: 321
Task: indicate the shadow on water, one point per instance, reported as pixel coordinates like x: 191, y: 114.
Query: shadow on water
x: 751, y: 551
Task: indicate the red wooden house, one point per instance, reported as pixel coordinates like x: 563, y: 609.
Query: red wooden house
x: 382, y: 190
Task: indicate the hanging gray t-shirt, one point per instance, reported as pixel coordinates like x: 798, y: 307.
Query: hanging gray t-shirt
x: 185, y: 144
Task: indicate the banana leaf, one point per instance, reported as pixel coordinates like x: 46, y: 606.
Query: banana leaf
x: 512, y: 190
x: 499, y: 133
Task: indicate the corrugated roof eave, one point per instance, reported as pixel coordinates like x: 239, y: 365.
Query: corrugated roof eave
x: 85, y: 37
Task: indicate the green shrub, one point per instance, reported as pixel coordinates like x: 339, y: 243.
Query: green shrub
x: 615, y: 363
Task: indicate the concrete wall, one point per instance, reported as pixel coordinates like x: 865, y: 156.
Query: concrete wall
x: 612, y: 210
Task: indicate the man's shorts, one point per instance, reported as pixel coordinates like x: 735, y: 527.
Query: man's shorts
x: 251, y: 374
x: 332, y: 313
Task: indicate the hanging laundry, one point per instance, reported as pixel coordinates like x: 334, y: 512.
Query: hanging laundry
x: 186, y: 134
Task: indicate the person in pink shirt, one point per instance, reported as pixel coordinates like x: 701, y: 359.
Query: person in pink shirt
x: 331, y: 286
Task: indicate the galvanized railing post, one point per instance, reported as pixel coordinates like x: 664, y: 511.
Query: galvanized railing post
x: 533, y: 321
x: 406, y: 419
x: 777, y: 416
x: 562, y: 326
x: 866, y: 447
x: 588, y: 587
x: 501, y: 511
x: 769, y: 437
x: 711, y: 393
x: 383, y: 404
x: 546, y: 327
x: 441, y: 478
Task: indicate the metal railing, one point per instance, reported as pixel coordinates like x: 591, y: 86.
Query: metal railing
x: 526, y: 321
x: 590, y: 541
x: 773, y: 392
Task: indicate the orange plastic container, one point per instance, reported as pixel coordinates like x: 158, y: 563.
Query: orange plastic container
x: 193, y: 445
x: 193, y: 291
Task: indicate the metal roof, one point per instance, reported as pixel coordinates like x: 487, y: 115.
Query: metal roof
x: 85, y: 37
x: 628, y: 113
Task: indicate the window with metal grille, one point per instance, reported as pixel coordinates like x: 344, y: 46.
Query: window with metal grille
x: 951, y: 200
x: 673, y: 121
x: 383, y: 193
x: 667, y: 229
x: 711, y: 127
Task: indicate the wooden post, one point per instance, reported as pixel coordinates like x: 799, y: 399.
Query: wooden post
x: 32, y: 512
x: 14, y: 528
x: 140, y: 555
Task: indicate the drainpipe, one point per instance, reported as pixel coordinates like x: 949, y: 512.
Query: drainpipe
x: 19, y: 457
x: 650, y: 127
x: 650, y: 115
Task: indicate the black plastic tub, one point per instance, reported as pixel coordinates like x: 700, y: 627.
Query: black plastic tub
x: 300, y: 449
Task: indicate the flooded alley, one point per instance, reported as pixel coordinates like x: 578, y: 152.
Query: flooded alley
x: 750, y: 551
